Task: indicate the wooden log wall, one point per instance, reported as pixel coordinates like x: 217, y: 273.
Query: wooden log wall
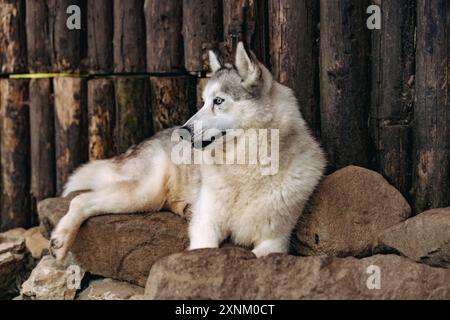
x: 15, y: 154
x: 100, y: 30
x: 101, y: 116
x: 392, y: 100
x: 69, y: 48
x: 294, y: 40
x: 344, y: 82
x: 42, y: 140
x: 133, y: 121
x: 12, y: 36
x: 129, y: 36
x: 167, y: 92
x: 375, y: 98
x: 164, y: 20
x: 70, y: 127
x: 431, y: 127
x: 201, y: 32
x: 39, y: 55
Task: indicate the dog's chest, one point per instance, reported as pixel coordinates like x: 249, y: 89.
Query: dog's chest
x: 246, y: 206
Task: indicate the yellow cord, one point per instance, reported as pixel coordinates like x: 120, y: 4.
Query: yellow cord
x: 46, y: 75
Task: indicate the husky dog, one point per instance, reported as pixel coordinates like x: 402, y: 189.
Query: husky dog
x: 227, y: 201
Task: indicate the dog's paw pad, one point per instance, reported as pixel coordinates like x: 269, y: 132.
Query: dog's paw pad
x: 57, y: 247
x: 56, y: 243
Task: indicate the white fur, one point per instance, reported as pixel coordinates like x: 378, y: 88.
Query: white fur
x: 235, y: 201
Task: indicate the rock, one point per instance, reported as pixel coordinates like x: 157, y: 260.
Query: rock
x: 138, y: 297
x: 11, y: 245
x: 51, y: 210
x: 424, y: 238
x: 14, y: 263
x: 124, y: 247
x: 231, y: 273
x: 15, y: 259
x: 11, y: 266
x: 14, y: 233
x: 347, y: 212
x: 109, y: 289
x: 35, y: 242
x: 51, y: 281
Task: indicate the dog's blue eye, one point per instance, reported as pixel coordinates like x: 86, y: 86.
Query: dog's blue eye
x: 218, y: 101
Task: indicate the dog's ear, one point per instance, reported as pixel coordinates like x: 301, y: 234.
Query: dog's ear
x: 247, y: 66
x: 214, y: 62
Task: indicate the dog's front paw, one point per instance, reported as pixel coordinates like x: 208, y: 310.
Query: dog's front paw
x: 267, y: 247
x: 59, y: 246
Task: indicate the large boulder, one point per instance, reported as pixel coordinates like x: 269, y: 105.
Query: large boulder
x: 234, y: 273
x: 109, y: 289
x: 347, y: 212
x: 52, y: 281
x: 14, y: 263
x: 121, y: 247
x: 424, y: 238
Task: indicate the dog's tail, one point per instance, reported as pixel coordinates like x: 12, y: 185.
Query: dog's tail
x: 92, y: 176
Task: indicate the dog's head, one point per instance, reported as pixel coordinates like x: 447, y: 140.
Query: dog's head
x: 235, y: 97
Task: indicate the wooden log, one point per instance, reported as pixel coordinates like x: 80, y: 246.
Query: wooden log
x: 240, y: 18
x: 70, y: 127
x: 173, y: 100
x: 13, y: 58
x: 101, y: 117
x: 260, y: 43
x: 133, y: 112
x: 245, y: 20
x: 201, y: 25
x: 100, y: 35
x: 129, y: 36
x: 393, y: 61
x: 164, y: 39
x: 431, y: 129
x: 15, y: 154
x: 38, y: 37
x: 344, y: 46
x: 68, y: 46
x: 294, y: 52
x: 201, y: 84
x: 42, y: 138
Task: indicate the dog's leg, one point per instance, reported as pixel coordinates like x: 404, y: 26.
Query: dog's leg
x: 204, y: 230
x: 268, y: 246
x: 122, y: 197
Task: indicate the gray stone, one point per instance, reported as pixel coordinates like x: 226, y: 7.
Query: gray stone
x: 53, y: 281
x: 110, y: 289
x: 14, y: 263
x: 424, y: 238
x: 35, y: 242
x: 233, y: 273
